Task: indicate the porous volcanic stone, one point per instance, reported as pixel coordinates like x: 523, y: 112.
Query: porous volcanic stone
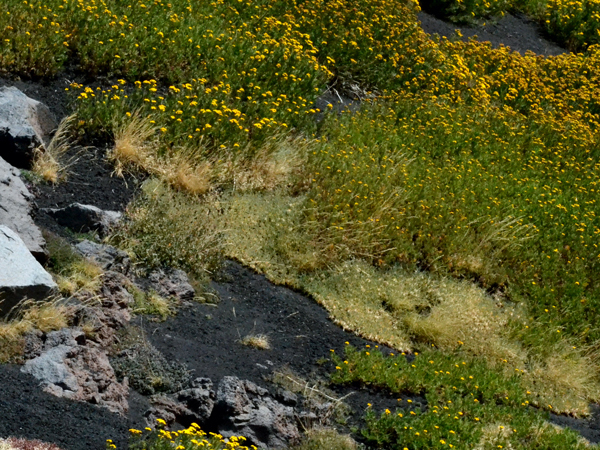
x: 15, y: 209
x: 21, y: 276
x: 245, y: 409
x: 171, y: 283
x: 24, y: 125
x: 106, y: 256
x: 78, y: 372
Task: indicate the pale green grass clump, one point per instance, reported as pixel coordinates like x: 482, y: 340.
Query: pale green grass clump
x: 258, y: 341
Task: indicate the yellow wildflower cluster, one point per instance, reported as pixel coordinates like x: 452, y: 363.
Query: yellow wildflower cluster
x: 477, y: 161
x: 187, y: 439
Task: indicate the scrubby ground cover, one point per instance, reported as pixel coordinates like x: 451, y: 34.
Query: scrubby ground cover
x: 468, y: 405
x: 455, y: 209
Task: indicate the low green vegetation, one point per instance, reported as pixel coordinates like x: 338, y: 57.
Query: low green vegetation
x: 469, y: 404
x: 71, y: 271
x: 147, y: 370
x: 187, y: 439
x: 170, y: 228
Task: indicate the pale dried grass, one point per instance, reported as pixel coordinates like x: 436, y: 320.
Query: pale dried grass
x: 259, y: 341
x: 49, y: 164
x: 133, y: 148
x: 566, y: 381
x: 326, y: 439
x: 30, y: 315
x: 189, y: 169
x: 83, y: 275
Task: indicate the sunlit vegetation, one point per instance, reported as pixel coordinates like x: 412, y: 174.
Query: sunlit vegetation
x: 455, y: 208
x: 469, y: 405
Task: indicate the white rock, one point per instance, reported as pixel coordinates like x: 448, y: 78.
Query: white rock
x: 21, y: 276
x: 15, y: 209
x: 24, y: 125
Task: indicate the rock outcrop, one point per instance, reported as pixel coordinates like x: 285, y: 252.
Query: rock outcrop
x: 15, y: 209
x: 194, y: 405
x: 24, y: 125
x: 171, y: 283
x: 68, y: 368
x: 84, y: 218
x: 238, y: 408
x: 21, y: 276
x: 106, y: 256
x: 251, y: 412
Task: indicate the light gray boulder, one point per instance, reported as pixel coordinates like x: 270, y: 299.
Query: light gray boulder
x: 24, y: 125
x: 50, y: 368
x: 84, y: 218
x: 21, y: 276
x: 15, y: 209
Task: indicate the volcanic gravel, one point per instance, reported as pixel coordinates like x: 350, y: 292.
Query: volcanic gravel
x: 513, y: 30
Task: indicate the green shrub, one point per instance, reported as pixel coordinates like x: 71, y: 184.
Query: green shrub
x: 148, y: 371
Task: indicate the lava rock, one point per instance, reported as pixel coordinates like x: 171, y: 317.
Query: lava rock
x: 36, y: 341
x: 15, y: 209
x: 21, y: 275
x: 200, y: 399
x: 25, y: 124
x: 80, y: 373
x: 187, y: 406
x: 171, y: 283
x: 114, y: 290
x: 245, y: 409
x: 106, y: 256
x: 85, y: 218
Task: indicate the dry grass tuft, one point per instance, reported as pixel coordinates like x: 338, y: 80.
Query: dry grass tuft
x: 71, y: 271
x: 12, y: 443
x: 185, y: 170
x: 82, y: 275
x: 133, y: 148
x: 326, y: 439
x: 151, y: 303
x: 29, y: 315
x: 190, y: 170
x: 50, y: 164
x: 272, y: 166
x: 567, y: 380
x: 259, y: 341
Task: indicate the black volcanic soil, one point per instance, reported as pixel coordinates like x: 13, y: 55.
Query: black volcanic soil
x: 90, y: 181
x: 515, y: 31
x: 26, y: 411
x: 207, y: 337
